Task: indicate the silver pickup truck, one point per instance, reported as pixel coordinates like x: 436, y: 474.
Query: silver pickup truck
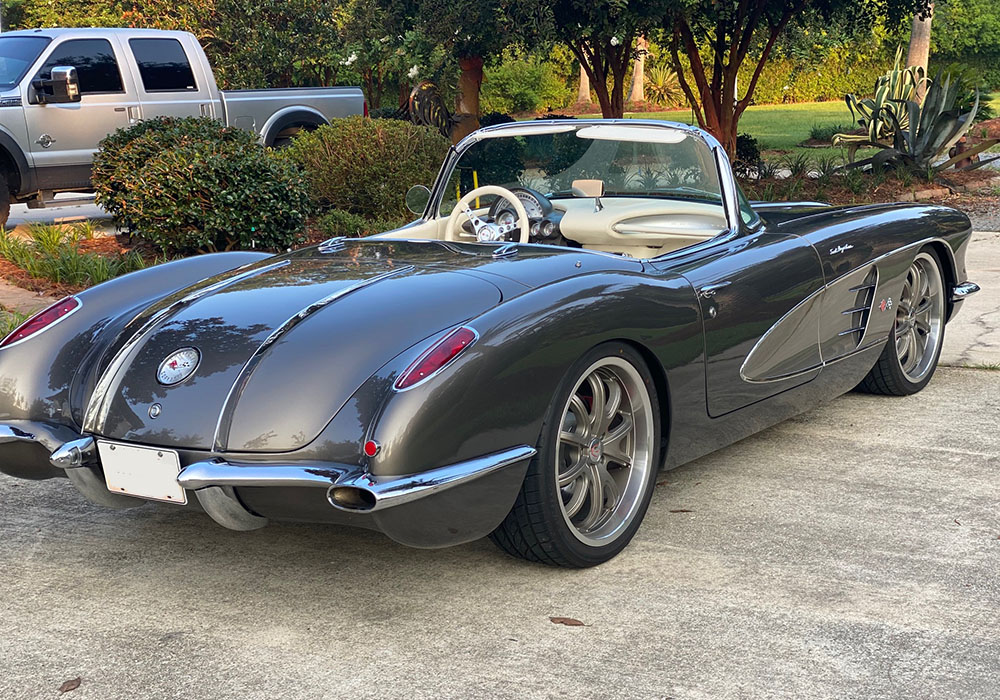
x: 63, y: 90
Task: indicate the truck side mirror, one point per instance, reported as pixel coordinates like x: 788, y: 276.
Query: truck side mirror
x: 63, y: 86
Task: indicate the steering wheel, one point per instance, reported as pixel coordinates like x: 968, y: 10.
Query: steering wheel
x: 487, y: 232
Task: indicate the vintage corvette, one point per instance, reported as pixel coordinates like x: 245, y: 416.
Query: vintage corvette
x: 601, y: 302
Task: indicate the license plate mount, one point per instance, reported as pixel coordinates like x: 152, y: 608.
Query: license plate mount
x: 143, y: 472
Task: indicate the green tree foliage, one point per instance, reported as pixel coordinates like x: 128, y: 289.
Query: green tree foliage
x: 717, y: 38
x: 601, y: 34
x: 968, y: 32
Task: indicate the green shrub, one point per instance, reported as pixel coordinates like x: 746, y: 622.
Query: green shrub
x: 519, y: 84
x: 343, y: 223
x: 191, y: 185
x: 9, y: 320
x: 51, y: 253
x: 826, y: 132
x: 365, y: 166
x: 747, y: 155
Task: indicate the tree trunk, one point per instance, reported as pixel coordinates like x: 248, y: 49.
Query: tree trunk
x: 583, y: 93
x: 637, y: 92
x: 467, y: 109
x: 920, y: 46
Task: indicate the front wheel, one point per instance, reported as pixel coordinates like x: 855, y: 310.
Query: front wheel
x: 909, y: 359
x: 588, y: 488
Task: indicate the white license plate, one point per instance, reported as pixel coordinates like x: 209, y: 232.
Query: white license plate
x: 146, y: 472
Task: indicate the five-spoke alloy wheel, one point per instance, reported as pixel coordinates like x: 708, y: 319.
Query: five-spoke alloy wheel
x: 588, y: 487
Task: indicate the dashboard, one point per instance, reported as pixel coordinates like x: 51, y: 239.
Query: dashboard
x: 543, y: 217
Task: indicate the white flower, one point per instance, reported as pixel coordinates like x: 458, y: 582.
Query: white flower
x: 785, y: 88
x: 349, y: 60
x: 414, y: 72
x: 614, y: 41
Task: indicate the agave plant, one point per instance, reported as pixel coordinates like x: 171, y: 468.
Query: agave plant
x: 926, y: 131
x: 663, y: 87
x: 877, y: 115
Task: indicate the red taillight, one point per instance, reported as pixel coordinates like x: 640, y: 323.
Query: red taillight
x: 435, y: 359
x: 42, y: 320
x: 366, y: 108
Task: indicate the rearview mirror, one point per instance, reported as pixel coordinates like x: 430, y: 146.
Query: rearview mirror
x: 417, y: 198
x: 63, y: 86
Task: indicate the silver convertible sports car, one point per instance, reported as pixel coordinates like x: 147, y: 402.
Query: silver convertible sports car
x: 580, y: 304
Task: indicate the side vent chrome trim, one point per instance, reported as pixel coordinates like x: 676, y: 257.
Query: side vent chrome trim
x: 860, y: 312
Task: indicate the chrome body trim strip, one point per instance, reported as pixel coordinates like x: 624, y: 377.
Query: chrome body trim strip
x: 961, y: 291
x: 10, y: 433
x: 863, y: 345
x: 98, y: 406
x: 224, y: 423
x: 49, y: 436
x: 385, y: 491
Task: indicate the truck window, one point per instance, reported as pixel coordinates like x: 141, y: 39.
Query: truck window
x: 94, y: 60
x: 163, y: 65
x: 17, y: 53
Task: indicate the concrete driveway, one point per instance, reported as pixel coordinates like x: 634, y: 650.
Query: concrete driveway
x: 851, y: 552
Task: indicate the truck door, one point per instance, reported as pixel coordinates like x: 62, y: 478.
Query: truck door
x: 169, y: 85
x: 63, y: 137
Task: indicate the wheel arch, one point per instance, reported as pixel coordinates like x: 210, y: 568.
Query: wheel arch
x: 14, y: 162
x: 288, y: 118
x: 662, y: 385
x: 947, y: 258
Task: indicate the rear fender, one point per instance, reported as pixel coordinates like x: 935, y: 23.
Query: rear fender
x: 497, y: 393
x: 48, y: 377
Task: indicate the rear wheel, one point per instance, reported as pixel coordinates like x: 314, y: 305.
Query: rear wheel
x: 909, y: 359
x: 588, y: 488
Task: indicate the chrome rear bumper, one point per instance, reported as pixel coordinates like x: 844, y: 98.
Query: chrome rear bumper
x: 964, y: 290
x: 352, y: 489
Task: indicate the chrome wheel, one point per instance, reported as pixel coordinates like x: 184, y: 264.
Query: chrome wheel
x: 604, y: 451
x: 920, y: 318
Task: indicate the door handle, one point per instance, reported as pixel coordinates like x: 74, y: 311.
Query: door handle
x: 133, y: 114
x: 205, y: 110
x: 709, y: 290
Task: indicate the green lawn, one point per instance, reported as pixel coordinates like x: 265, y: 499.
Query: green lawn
x: 782, y: 127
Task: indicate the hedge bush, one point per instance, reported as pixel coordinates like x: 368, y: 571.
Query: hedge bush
x: 192, y: 184
x: 365, y: 166
x: 343, y: 223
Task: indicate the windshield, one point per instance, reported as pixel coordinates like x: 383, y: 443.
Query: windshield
x: 561, y: 161
x: 17, y: 54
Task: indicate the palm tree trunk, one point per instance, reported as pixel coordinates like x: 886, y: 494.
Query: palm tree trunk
x: 637, y: 92
x: 583, y: 94
x: 920, y: 46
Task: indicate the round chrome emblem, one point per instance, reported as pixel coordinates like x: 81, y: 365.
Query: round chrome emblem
x: 154, y: 410
x: 178, y: 366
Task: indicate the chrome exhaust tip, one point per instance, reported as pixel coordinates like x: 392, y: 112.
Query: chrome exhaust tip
x: 351, y: 498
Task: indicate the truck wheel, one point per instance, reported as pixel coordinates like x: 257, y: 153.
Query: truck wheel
x: 4, y: 200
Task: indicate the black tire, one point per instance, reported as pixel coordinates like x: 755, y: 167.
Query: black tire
x: 537, y: 527
x: 888, y: 377
x: 4, y: 199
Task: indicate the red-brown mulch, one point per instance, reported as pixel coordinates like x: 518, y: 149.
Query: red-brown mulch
x: 16, y: 276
